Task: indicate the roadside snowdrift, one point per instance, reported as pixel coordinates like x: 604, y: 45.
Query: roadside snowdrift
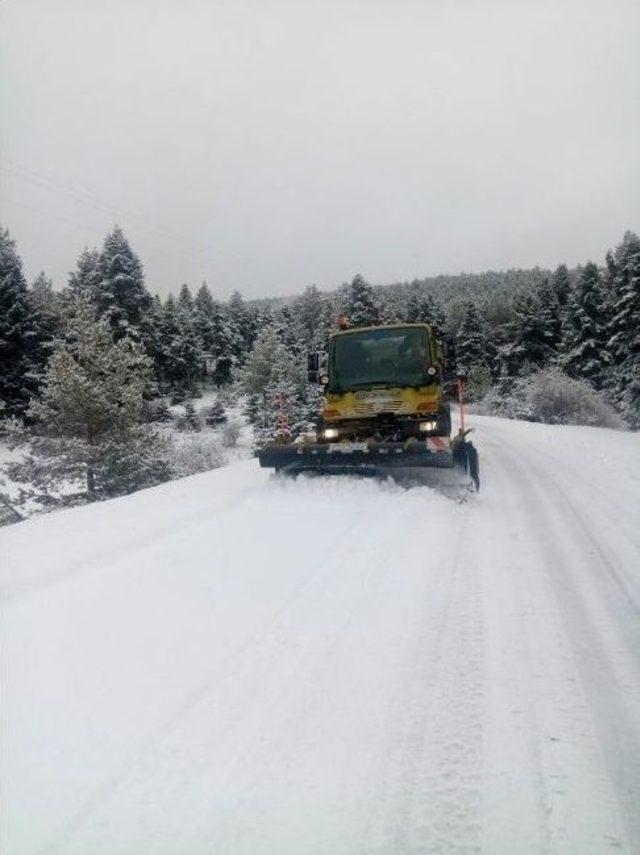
x: 234, y: 663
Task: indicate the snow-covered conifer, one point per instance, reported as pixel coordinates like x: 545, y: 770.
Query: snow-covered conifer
x: 551, y: 312
x: 561, y: 282
x: 189, y: 421
x: 583, y: 348
x: 470, y: 339
x: 624, y: 329
x: 180, y: 358
x: 21, y: 333
x: 243, y: 327
x: 85, y: 280
x: 359, y: 304
x: 276, y: 384
x: 423, y: 308
x: 528, y: 345
x: 308, y: 309
x: 185, y: 300
x: 88, y: 429
x: 216, y: 414
x: 48, y: 312
x: 288, y: 332
x: 122, y: 297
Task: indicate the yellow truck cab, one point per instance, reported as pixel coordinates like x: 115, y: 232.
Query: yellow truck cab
x: 384, y: 382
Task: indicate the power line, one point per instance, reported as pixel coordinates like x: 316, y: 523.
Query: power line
x: 82, y: 196
x: 82, y: 227
x: 85, y: 197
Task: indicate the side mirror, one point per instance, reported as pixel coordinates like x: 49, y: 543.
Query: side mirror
x: 313, y: 367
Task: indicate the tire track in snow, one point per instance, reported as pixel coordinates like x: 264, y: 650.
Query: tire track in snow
x: 431, y: 779
x: 512, y: 761
x: 565, y: 563
x: 298, y: 714
x: 627, y: 589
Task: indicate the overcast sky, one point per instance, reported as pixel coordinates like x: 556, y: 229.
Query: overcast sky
x: 266, y: 145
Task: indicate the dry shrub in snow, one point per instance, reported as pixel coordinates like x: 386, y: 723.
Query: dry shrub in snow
x: 229, y: 395
x: 551, y: 397
x: 554, y: 398
x: 196, y: 452
x: 231, y: 433
x: 158, y: 411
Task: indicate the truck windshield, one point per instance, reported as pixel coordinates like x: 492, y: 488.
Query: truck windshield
x: 386, y: 357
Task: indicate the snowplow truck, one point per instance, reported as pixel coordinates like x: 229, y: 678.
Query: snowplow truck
x: 384, y: 407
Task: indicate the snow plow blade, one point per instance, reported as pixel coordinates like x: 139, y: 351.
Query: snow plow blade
x: 344, y: 457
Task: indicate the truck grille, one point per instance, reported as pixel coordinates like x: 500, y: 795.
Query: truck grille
x: 366, y: 408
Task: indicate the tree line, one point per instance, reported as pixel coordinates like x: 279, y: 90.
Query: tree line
x: 105, y: 322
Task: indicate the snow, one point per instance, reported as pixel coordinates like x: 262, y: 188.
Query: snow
x: 10, y: 488
x: 193, y: 452
x: 236, y: 663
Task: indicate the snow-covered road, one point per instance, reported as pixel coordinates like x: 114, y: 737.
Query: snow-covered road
x: 245, y: 665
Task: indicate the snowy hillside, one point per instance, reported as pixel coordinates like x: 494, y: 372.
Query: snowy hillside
x: 234, y: 663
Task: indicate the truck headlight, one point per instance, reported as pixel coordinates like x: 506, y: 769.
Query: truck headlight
x: 427, y: 426
x: 330, y: 433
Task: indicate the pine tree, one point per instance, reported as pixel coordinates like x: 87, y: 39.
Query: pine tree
x: 391, y: 309
x: 215, y: 415
x: 470, y: 340
x: 288, y: 332
x: 189, y: 422
x: 628, y: 397
x: 151, y: 338
x: 583, y: 350
x: 551, y: 312
x: 423, y: 308
x: 308, y: 309
x: 84, y: 281
x: 561, y: 282
x: 623, y: 298
x: 180, y: 358
x: 609, y: 286
x: 267, y: 352
x: 122, y: 297
x: 277, y: 388
x: 185, y: 301
x: 221, y: 350
x: 47, y: 309
x: 87, y: 419
x: 243, y: 328
x: 203, y: 309
x: 624, y: 329
x: 21, y: 333
x: 204, y: 302
x: 359, y: 303
x: 528, y: 343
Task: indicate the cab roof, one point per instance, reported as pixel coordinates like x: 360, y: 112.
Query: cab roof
x: 422, y: 326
